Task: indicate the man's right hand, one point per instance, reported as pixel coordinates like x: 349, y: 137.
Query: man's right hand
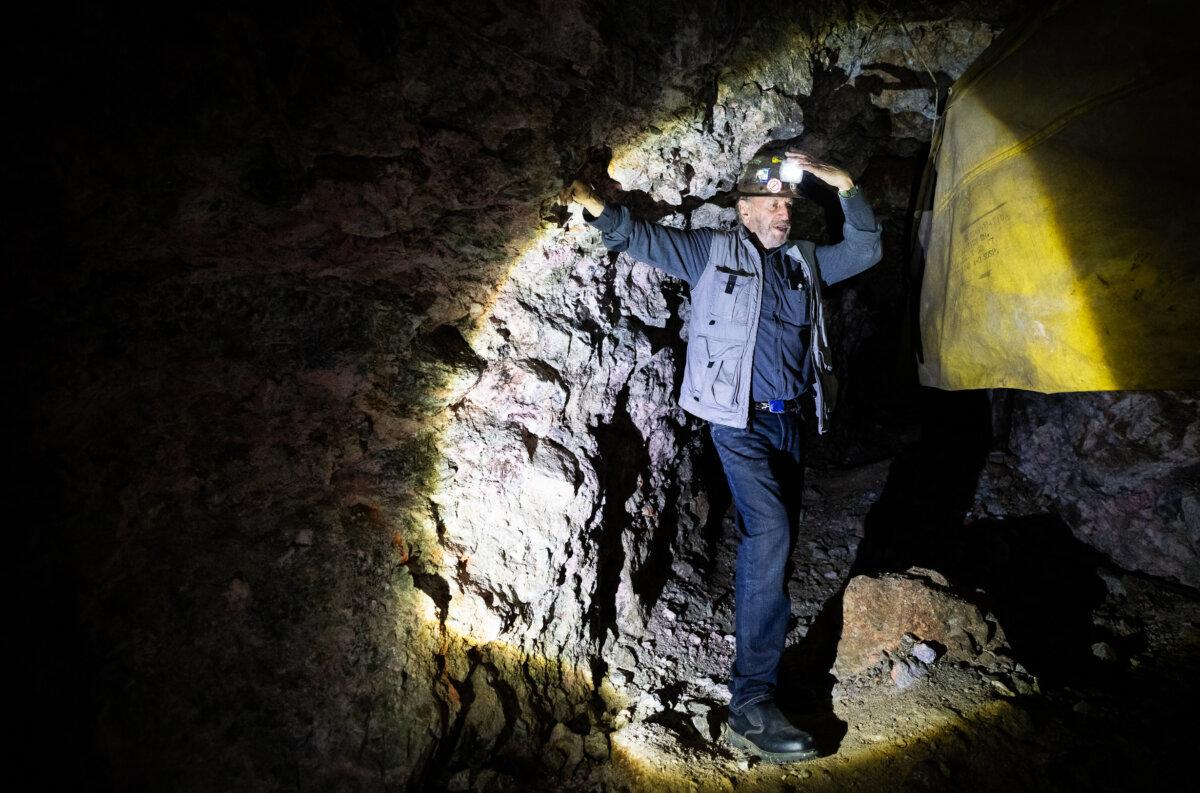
x: 579, y: 192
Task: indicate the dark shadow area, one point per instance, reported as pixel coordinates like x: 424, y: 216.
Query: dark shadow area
x: 650, y: 577
x: 1097, y: 724
x: 716, y: 487
x: 620, y: 456
x: 931, y: 483
x: 1039, y: 581
x: 928, y: 491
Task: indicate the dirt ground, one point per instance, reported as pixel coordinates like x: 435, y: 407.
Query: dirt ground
x: 1103, y: 665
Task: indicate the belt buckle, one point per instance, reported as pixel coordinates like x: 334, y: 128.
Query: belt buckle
x: 777, y: 405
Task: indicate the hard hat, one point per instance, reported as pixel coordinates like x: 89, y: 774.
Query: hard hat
x: 769, y: 173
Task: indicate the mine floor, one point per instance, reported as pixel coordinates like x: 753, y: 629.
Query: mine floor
x: 1101, y: 681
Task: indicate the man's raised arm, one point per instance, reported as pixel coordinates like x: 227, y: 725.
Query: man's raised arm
x: 682, y: 254
x: 861, y: 246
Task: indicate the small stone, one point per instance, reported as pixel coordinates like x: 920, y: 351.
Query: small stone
x: 694, y: 640
x: 304, y: 537
x: 566, y: 743
x: 595, y: 745
x: 932, y: 575
x: 704, y: 727
x: 743, y: 765
x: 904, y: 674
x: 647, y: 706
x: 924, y: 652
x: 237, y: 595
x: 684, y: 570
x: 623, y: 656
x: 1104, y: 651
x: 1002, y: 688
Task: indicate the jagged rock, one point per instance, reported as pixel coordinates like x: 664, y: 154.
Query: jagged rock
x: 1001, y: 687
x: 1122, y: 467
x: 566, y: 743
x: 878, y: 611
x: 648, y: 705
x: 703, y: 722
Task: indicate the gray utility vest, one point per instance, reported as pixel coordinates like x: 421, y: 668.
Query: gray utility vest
x: 726, y: 303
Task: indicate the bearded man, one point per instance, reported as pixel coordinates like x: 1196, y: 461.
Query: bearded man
x: 756, y: 344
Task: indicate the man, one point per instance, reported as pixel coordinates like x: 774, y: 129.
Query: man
x: 756, y: 342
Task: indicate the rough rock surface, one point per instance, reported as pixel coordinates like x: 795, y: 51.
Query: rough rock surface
x: 881, y: 614
x: 1124, y: 468
x: 351, y: 458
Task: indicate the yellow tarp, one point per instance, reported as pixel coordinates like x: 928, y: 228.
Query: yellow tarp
x: 1063, y: 249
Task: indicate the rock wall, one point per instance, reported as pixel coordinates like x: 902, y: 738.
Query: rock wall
x: 351, y: 458
x: 1123, y: 468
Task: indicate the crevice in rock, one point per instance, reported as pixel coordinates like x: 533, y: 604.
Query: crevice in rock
x: 620, y: 457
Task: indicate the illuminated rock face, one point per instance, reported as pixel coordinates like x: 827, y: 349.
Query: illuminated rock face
x: 364, y: 460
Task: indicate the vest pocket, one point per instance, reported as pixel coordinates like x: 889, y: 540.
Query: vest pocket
x: 732, y: 293
x: 722, y: 363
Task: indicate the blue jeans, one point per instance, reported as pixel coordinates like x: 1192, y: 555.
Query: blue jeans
x: 765, y: 474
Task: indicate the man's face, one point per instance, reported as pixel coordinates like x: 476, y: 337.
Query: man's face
x: 767, y: 217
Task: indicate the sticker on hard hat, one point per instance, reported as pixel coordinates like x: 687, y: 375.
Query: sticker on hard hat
x: 774, y: 185
x: 763, y: 174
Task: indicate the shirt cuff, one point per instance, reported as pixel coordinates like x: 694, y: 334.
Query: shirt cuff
x: 857, y: 211
x: 608, y: 221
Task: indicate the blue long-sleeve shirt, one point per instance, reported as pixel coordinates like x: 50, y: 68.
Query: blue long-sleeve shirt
x: 782, y: 365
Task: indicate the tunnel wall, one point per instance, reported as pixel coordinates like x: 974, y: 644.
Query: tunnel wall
x: 351, y: 461
x: 1123, y: 468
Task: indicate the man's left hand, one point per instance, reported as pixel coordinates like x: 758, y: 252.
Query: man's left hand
x: 829, y: 174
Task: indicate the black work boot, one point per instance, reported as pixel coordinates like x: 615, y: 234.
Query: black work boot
x: 763, y: 730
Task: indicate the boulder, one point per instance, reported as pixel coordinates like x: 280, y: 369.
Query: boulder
x: 877, y: 611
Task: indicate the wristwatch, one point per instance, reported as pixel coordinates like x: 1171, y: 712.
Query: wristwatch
x: 853, y: 191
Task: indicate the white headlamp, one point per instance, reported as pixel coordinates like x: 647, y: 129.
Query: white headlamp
x: 791, y: 171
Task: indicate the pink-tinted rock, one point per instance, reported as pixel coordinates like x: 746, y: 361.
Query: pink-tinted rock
x: 878, y: 611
